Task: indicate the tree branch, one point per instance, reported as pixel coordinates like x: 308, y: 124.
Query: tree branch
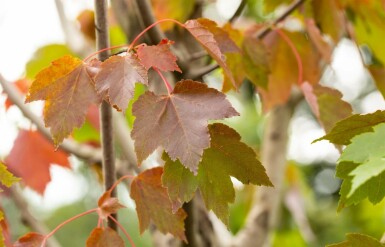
x: 102, y: 41
x: 239, y: 11
x: 82, y: 151
x: 262, y: 216
x: 28, y: 219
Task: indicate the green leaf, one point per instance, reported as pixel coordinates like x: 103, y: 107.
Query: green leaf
x: 227, y: 156
x: 7, y: 178
x: 358, y: 240
x: 346, y: 129
x: 43, y: 57
x: 362, y: 165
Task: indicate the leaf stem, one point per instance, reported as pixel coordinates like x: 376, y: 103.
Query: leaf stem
x: 295, y: 52
x: 168, y: 86
x: 120, y: 180
x: 151, y: 26
x: 66, y: 222
x: 124, y: 231
x: 102, y: 50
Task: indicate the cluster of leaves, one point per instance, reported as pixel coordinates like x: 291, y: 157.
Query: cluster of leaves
x: 197, y: 155
x: 204, y: 156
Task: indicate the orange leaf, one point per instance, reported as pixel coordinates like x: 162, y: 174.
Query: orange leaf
x: 31, y: 157
x: 104, y: 237
x: 117, y: 77
x: 67, y: 86
x: 153, y: 204
x: 31, y: 239
x: 202, y: 30
x: 178, y: 121
x: 158, y: 56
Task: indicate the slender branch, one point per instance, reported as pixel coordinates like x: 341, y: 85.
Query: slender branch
x: 80, y: 150
x: 147, y: 16
x: 239, y: 11
x: 190, y: 224
x: 28, y: 219
x: 201, y: 71
x: 102, y: 41
x: 259, y: 35
x: 263, y: 32
x: 124, y: 140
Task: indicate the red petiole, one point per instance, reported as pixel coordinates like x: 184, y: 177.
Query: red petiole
x: 135, y: 40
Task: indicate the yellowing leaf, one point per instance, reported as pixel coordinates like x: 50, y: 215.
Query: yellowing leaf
x: 7, y: 178
x: 158, y: 56
x: 284, y: 67
x: 178, y: 122
x: 358, y: 240
x: 104, y: 237
x: 227, y: 156
x: 153, y: 204
x: 175, y: 9
x: 67, y: 87
x: 117, y: 77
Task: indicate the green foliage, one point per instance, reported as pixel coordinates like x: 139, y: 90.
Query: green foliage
x: 226, y: 157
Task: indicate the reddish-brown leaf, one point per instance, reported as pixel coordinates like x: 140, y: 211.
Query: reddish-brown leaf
x: 31, y: 239
x: 117, y: 77
x: 158, y: 56
x: 104, y: 237
x: 22, y: 86
x: 324, y: 48
x: 178, y: 121
x: 108, y: 205
x: 327, y: 104
x: 207, y: 39
x: 86, y: 20
x: 67, y: 86
x: 153, y: 204
x: 31, y: 157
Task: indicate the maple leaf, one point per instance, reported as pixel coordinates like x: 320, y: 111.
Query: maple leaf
x: 6, y: 178
x: 172, y: 9
x: 178, y: 121
x: 358, y: 240
x: 67, y: 86
x: 202, y: 30
x: 284, y: 66
x: 227, y: 156
x: 326, y: 104
x: 104, y: 237
x: 117, y: 77
x: 153, y: 204
x: 362, y: 167
x: 31, y: 157
x: 31, y: 239
x: 158, y: 56
x: 347, y: 128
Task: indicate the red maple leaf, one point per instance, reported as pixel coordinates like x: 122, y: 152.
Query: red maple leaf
x: 31, y: 157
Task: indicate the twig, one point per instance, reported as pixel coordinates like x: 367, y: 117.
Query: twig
x: 28, y: 219
x: 146, y: 14
x: 102, y: 41
x: 80, y: 150
x: 259, y: 35
x: 239, y: 11
x: 123, y: 138
x: 201, y: 71
x: 263, y: 32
